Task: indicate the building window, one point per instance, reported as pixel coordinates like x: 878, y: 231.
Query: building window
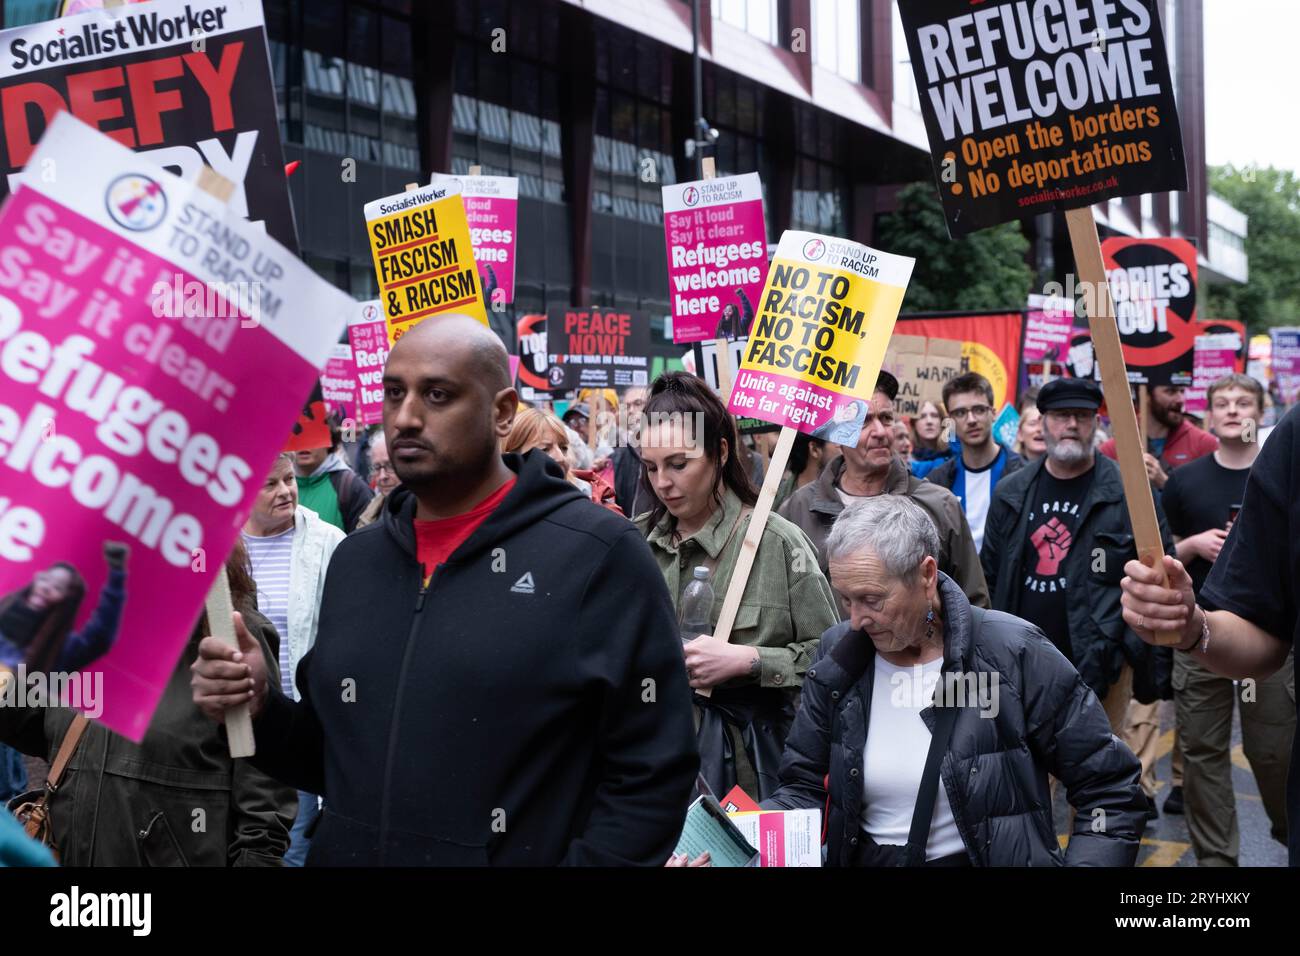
x: 836, y: 36
x: 345, y: 95
x: 820, y: 187
x: 756, y: 17
x: 904, y: 82
x: 506, y: 119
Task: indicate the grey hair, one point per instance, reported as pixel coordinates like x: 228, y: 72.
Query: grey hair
x: 895, y: 529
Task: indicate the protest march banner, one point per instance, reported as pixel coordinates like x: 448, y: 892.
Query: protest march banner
x: 991, y: 343
x: 822, y: 326
x: 369, y: 340
x: 154, y: 348
x: 1259, y: 359
x: 1285, y: 357
x: 1032, y: 106
x: 339, y: 384
x: 1153, y: 286
x: 1049, y: 322
x: 534, y: 360
x: 595, y: 347
x: 717, y: 255
x: 1006, y: 426
x: 705, y: 355
x: 821, y: 330
x: 1214, y: 357
x: 185, y: 82
x: 922, y: 366
x: 1039, y: 105
x: 424, y: 262
x: 492, y: 211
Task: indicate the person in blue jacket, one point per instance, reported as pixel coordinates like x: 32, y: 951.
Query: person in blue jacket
x: 36, y: 621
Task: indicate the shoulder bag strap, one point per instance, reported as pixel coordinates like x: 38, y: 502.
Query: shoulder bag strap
x: 71, y: 738
x: 919, y: 834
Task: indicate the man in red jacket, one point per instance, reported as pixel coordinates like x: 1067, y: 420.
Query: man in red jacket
x: 1172, y: 441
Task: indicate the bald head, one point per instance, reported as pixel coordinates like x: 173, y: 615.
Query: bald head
x: 466, y: 342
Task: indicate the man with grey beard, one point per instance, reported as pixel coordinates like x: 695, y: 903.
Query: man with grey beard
x: 1055, y: 544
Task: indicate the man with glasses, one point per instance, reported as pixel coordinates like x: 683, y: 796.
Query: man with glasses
x: 973, y: 474
x: 382, y: 478
x: 869, y: 468
x: 1055, y: 544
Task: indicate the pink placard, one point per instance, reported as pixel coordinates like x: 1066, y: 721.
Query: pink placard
x: 492, y: 211
x: 717, y: 256
x: 369, y: 340
x: 143, y: 396
x: 338, y: 384
x: 1213, y: 357
x: 1047, y: 328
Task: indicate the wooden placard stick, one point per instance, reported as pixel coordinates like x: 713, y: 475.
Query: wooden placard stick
x: 1114, y: 382
x: 412, y: 187
x: 1047, y: 370
x: 1144, y: 414
x: 753, y: 535
x: 239, y: 723
x: 476, y: 170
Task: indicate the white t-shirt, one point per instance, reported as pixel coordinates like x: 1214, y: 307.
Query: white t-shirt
x: 894, y: 759
x: 979, y: 491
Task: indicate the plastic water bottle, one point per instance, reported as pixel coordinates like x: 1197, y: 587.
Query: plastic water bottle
x: 697, y: 607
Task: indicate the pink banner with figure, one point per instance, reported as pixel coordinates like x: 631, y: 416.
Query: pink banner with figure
x: 368, y: 336
x: 492, y: 211
x: 717, y: 256
x: 338, y: 384
x: 1048, y: 325
x: 1213, y: 357
x: 154, y: 350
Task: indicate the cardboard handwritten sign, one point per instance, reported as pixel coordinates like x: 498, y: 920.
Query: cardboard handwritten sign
x: 922, y: 367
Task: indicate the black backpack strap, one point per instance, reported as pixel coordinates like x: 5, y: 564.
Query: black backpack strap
x: 918, y: 836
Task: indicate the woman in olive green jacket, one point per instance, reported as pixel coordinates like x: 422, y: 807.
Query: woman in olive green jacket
x: 703, y: 500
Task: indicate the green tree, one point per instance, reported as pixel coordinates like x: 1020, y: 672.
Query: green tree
x: 1271, y: 198
x: 984, y: 271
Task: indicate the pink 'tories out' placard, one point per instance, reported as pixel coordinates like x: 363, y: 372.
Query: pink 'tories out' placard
x: 368, y: 336
x: 338, y: 384
x: 1047, y: 328
x: 492, y: 210
x: 154, y: 350
x: 717, y: 256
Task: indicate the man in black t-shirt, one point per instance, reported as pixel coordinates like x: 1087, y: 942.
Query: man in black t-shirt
x: 1247, y: 621
x: 1057, y: 537
x: 1200, y: 500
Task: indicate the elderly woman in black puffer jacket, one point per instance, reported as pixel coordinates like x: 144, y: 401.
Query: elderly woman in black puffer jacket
x: 935, y: 724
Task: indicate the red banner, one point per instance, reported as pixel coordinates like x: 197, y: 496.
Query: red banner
x: 991, y: 344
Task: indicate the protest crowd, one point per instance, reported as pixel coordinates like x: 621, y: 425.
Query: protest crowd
x: 849, y: 588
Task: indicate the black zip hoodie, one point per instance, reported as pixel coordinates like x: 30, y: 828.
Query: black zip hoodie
x: 530, y: 707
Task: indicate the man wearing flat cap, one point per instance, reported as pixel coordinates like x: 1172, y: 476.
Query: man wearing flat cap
x: 1057, y: 538
x: 868, y: 468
